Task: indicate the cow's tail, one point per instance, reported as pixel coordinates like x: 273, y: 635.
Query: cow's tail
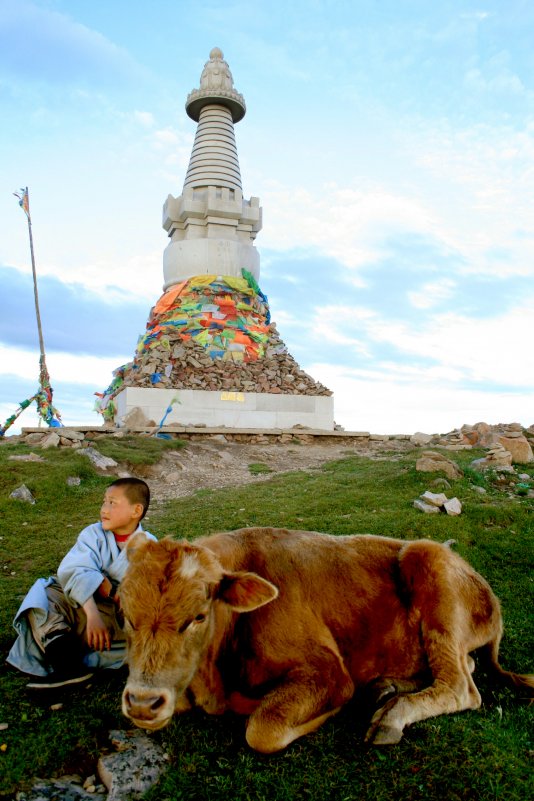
x: 522, y: 682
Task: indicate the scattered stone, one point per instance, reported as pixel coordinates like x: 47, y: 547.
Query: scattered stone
x: 479, y: 490
x: 440, y: 483
x: 4, y: 726
x: 73, y: 481
x: 453, y: 507
x: 419, y: 439
x: 34, y: 438
x: 434, y: 499
x: 89, y: 784
x: 518, y: 446
x: 71, y: 434
x: 430, y: 502
x: 434, y: 462
x: 50, y: 441
x: 22, y: 493
x: 66, y: 788
x: 56, y: 707
x: 135, y: 419
x: 427, y: 508
x: 173, y: 477
x: 130, y: 772
x: 98, y: 459
x: 497, y: 458
x: 27, y: 457
x: 524, y: 477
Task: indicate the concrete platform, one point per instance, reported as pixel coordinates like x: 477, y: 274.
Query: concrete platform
x: 231, y: 410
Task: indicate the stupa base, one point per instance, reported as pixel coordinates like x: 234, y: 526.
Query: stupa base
x: 229, y: 409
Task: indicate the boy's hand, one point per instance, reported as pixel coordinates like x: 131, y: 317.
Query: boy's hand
x: 105, y: 588
x: 97, y: 633
x: 108, y: 590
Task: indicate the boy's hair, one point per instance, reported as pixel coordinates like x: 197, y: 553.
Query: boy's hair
x: 136, y: 490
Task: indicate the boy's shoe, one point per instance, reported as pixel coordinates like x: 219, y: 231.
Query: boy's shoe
x: 57, y: 680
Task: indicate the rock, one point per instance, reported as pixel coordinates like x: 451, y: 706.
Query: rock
x: 51, y: 441
x: 98, y: 459
x: 434, y: 462
x: 440, y: 483
x: 66, y: 788
x: 22, y: 493
x: 27, y: 457
x: 73, y: 481
x: 479, y: 490
x: 519, y: 447
x: 34, y: 438
x: 173, y: 477
x: 71, y: 434
x: 453, y: 507
x: 419, y: 439
x: 427, y: 508
x: 434, y: 499
x: 129, y: 773
x: 135, y: 419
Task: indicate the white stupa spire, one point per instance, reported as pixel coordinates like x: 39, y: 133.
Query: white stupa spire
x: 212, y: 228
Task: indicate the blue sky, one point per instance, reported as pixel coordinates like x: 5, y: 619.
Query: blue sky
x: 391, y: 144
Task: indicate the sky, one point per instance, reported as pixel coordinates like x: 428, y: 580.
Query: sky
x: 391, y: 144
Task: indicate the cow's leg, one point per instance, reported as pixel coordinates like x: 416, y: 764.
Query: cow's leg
x: 453, y: 690
x: 308, y: 695
x: 432, y: 580
x: 381, y: 690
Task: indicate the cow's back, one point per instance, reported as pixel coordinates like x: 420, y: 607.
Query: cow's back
x: 341, y: 591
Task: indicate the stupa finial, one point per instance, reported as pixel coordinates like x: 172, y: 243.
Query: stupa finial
x: 216, y: 86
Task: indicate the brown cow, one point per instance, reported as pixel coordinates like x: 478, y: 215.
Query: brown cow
x: 284, y: 625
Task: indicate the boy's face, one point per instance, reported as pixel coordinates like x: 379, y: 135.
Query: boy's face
x: 118, y: 514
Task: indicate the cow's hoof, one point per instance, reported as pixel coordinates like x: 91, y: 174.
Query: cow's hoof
x: 384, y: 735
x: 381, y: 694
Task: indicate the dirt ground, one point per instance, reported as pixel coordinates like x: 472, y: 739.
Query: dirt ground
x: 213, y: 463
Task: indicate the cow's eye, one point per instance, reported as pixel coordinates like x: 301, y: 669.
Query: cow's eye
x: 200, y: 618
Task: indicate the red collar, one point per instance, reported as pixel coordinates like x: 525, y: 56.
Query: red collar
x: 121, y: 537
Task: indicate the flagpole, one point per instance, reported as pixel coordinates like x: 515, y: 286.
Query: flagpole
x: 35, y: 292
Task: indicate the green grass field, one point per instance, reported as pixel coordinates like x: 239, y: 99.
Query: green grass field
x: 482, y: 755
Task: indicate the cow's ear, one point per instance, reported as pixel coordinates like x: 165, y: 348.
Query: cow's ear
x: 245, y: 591
x: 135, y: 542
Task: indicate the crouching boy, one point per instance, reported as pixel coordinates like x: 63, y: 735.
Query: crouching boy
x: 70, y: 623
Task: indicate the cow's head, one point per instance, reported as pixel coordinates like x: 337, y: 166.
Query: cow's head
x: 173, y: 597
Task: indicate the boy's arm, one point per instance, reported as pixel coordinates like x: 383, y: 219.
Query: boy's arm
x: 81, y: 571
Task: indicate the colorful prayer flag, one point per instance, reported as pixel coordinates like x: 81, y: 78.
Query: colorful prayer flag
x: 24, y: 201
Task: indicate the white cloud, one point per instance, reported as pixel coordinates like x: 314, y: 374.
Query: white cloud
x: 492, y: 349
x: 145, y: 118
x: 86, y: 371
x: 432, y: 293
x: 382, y: 404
x: 467, y: 193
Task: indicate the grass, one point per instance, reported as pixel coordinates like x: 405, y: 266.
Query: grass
x: 258, y: 468
x: 482, y: 755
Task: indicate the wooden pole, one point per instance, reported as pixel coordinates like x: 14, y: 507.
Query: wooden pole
x: 35, y: 292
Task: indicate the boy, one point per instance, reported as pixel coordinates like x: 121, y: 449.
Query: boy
x: 64, y: 614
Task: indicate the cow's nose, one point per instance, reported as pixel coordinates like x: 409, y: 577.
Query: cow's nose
x: 142, y: 707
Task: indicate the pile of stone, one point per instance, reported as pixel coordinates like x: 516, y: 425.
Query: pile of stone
x: 512, y: 436
x: 187, y: 365
x: 436, y: 462
x: 434, y: 502
x: 497, y: 458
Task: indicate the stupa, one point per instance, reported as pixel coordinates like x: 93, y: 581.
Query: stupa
x: 211, y: 356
